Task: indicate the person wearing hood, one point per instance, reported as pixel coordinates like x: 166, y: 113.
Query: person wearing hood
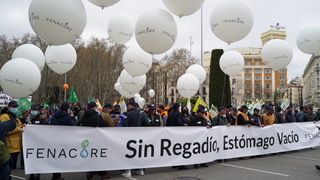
x: 13, y: 138
x: 63, y: 117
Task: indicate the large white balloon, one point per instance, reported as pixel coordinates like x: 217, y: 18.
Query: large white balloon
x: 198, y: 71
x: 20, y: 77
x: 132, y: 84
x: 136, y: 97
x: 125, y: 94
x: 136, y: 61
x: 104, y: 3
x: 231, y: 62
x: 187, y: 85
x: 141, y: 102
x: 156, y: 31
x: 61, y: 59
x: 57, y: 22
x: 151, y: 92
x: 277, y: 54
x: 308, y: 40
x: 120, y: 28
x: 183, y: 7
x: 31, y: 52
x: 231, y: 20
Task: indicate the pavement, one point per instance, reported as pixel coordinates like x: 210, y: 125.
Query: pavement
x: 294, y: 165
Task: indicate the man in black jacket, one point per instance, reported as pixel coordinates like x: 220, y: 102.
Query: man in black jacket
x: 174, y: 118
x: 154, y: 117
x: 135, y: 118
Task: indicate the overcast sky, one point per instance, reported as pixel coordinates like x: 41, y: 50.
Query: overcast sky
x: 292, y: 14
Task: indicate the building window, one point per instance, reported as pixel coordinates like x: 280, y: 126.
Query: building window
x: 248, y: 95
x: 204, y: 98
x: 258, y: 63
x: 268, y: 86
x: 234, y: 81
x: 268, y: 78
x: 318, y: 80
x: 204, y: 92
x: 268, y: 96
x: 257, y: 71
x: 248, y: 86
x: 267, y: 71
x: 318, y: 86
x: 257, y: 77
x: 258, y: 96
x: 258, y: 86
x: 248, y: 71
x: 281, y: 86
x: 281, y: 71
x: 281, y: 77
x: 247, y: 63
x: 248, y: 78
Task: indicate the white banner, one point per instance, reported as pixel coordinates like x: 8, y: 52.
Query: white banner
x: 49, y: 148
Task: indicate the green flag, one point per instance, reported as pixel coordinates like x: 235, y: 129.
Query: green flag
x: 24, y: 104
x: 72, y: 96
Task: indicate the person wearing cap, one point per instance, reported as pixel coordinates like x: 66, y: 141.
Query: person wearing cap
x: 134, y: 118
x: 64, y: 116
x: 185, y: 115
x: 117, y: 116
x: 92, y: 118
x: 289, y: 117
x: 6, y: 127
x: 163, y: 114
x: 35, y: 117
x: 242, y: 117
x: 221, y: 118
x: 155, y: 119
x: 309, y: 116
x: 77, y: 110
x: 268, y: 117
x: 106, y: 115
x: 279, y: 117
x: 256, y: 118
x: 13, y: 138
x: 174, y: 118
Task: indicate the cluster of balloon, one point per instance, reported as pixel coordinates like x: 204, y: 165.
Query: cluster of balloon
x: 124, y: 93
x: 187, y: 85
x: 231, y: 20
x: 31, y: 52
x: 20, y: 77
x: 136, y: 61
x: 183, y: 7
x: 104, y: 3
x: 308, y: 40
x: 120, y: 28
x: 277, y: 54
x: 61, y: 59
x: 231, y: 62
x: 198, y: 71
x: 156, y: 31
x: 57, y: 22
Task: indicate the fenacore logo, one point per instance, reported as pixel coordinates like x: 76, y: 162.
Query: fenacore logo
x: 69, y: 152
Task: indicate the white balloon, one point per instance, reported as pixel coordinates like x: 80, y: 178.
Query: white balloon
x: 231, y: 62
x: 183, y: 7
x: 151, y: 92
x: 117, y: 86
x: 61, y: 59
x: 57, y: 22
x: 198, y: 71
x: 277, y: 54
x: 20, y: 77
x: 308, y: 40
x: 104, y: 3
x: 156, y: 31
x: 141, y: 102
x: 125, y: 94
x: 136, y: 97
x: 132, y: 84
x: 231, y: 20
x: 187, y: 85
x: 31, y: 52
x: 136, y: 62
x: 121, y: 28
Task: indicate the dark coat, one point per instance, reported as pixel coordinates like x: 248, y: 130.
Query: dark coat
x: 219, y: 120
x: 242, y: 121
x: 92, y: 118
x: 174, y: 119
x: 6, y: 127
x: 38, y: 120
x: 198, y: 121
x: 63, y: 118
x: 135, y: 118
x: 156, y: 120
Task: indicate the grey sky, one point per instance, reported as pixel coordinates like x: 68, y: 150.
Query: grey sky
x: 292, y: 14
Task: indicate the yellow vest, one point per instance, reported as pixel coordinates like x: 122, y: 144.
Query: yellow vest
x: 244, y: 115
x: 13, y: 138
x: 268, y: 119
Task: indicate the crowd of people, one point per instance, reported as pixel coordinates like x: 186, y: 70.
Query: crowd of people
x: 72, y: 114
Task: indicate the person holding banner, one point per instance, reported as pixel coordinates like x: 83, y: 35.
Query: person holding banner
x: 268, y: 117
x: 242, y: 117
x: 221, y: 118
x: 256, y: 118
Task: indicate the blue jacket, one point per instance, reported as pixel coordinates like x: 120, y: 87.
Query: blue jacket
x: 289, y: 117
x: 5, y: 127
x: 63, y: 118
x: 122, y: 117
x: 300, y: 116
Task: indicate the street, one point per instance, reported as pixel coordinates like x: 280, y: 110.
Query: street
x: 295, y: 165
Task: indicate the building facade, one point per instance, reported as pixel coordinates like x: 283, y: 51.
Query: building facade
x: 295, y: 92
